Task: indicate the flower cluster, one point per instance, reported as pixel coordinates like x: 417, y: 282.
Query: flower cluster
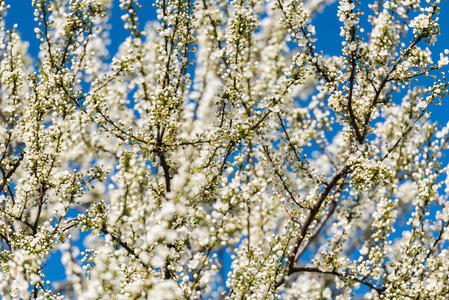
x: 220, y: 154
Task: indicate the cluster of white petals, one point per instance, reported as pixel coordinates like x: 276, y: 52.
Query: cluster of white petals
x: 219, y: 154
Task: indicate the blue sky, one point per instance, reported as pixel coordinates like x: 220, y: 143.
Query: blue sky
x: 327, y: 28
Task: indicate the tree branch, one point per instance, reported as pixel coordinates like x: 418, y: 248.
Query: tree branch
x: 347, y: 276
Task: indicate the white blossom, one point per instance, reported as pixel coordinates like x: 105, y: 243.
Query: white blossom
x: 220, y: 134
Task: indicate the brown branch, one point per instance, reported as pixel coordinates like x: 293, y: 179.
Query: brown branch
x: 310, y: 218
x: 352, y: 117
x: 166, y: 169
x: 42, y: 192
x: 320, y: 226
x: 347, y: 276
x: 404, y: 134
x: 387, y: 77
